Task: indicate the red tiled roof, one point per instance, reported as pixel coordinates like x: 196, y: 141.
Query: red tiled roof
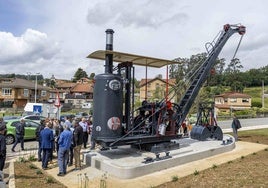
x: 66, y: 85
x: 82, y: 88
x: 233, y: 95
x: 20, y: 83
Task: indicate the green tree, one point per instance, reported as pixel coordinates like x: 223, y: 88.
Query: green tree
x: 92, y: 75
x: 216, y: 75
x: 233, y: 76
x: 80, y: 73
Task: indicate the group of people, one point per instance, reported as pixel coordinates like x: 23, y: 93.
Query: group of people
x: 65, y: 138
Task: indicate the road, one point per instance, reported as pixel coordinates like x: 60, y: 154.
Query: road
x: 29, y: 145
x: 244, y: 122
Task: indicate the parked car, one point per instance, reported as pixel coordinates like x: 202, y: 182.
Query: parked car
x: 35, y: 118
x: 81, y: 115
x: 11, y: 117
x: 30, y: 127
x: 30, y: 113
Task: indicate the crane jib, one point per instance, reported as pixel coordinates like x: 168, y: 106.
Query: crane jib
x: 191, y: 93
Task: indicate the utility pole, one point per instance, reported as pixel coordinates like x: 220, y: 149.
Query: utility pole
x: 35, y: 87
x: 262, y: 94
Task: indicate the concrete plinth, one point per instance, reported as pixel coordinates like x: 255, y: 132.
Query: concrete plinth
x: 126, y: 162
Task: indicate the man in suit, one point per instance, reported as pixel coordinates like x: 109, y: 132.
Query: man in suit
x: 47, y: 138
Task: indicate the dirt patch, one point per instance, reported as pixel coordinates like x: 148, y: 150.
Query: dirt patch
x: 247, y: 171
x: 27, y: 175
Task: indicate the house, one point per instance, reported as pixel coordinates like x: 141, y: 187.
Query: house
x: 16, y: 92
x: 229, y: 102
x: 156, y: 89
x: 73, y: 95
x: 81, y: 93
x: 62, y: 87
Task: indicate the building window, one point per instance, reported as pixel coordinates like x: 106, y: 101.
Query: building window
x: 233, y: 100
x: 26, y: 92
x: 6, y: 91
x: 225, y: 100
x: 52, y: 95
x: 245, y: 100
x: 7, y: 81
x: 43, y: 93
x: 149, y: 94
x: 70, y: 101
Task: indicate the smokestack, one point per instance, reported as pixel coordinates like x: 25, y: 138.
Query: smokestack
x: 109, y: 46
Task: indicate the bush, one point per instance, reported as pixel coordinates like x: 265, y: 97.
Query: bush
x: 50, y: 179
x: 196, y: 172
x: 32, y: 166
x: 174, y: 178
x: 31, y: 158
x: 248, y: 112
x: 22, y: 160
x: 256, y: 104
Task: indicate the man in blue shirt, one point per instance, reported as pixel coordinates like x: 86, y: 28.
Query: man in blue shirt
x: 64, y: 142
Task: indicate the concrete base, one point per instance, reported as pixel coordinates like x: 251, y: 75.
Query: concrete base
x: 126, y: 162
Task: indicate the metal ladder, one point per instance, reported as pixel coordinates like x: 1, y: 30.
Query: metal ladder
x: 187, y: 100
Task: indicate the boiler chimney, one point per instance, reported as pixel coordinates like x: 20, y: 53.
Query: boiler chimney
x: 109, y: 46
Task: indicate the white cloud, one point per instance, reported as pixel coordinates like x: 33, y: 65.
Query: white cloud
x: 30, y: 47
x: 67, y: 32
x: 148, y: 14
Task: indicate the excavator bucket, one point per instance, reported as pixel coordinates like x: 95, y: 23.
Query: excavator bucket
x: 217, y: 133
x: 200, y: 133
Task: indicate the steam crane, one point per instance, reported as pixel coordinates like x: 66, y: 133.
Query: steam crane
x: 114, y: 120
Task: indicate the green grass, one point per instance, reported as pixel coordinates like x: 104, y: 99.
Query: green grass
x: 256, y: 94
x: 263, y: 132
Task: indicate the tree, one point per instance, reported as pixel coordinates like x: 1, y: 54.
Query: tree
x: 216, y: 74
x: 80, y: 73
x: 92, y: 75
x: 233, y: 77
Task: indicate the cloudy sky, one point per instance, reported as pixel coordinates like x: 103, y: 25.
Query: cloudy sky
x: 55, y: 36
